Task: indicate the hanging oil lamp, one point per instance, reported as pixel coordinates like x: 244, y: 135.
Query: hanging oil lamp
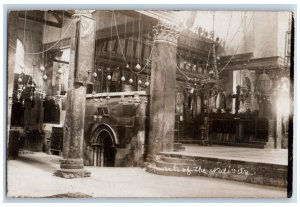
x: 95, y: 75
x: 59, y: 71
x: 42, y: 68
x: 138, y: 67
x: 130, y: 80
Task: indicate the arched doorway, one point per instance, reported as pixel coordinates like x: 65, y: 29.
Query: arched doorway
x: 104, y: 151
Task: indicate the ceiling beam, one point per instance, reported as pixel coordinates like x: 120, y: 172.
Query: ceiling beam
x: 39, y: 20
x: 57, y: 17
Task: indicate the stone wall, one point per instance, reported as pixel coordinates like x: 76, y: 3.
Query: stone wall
x: 126, y: 122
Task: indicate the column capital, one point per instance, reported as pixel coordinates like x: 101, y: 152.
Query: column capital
x: 165, y: 33
x: 87, y: 13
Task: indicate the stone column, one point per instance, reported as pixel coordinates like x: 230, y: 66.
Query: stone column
x: 80, y: 67
x: 11, y: 53
x: 278, y: 131
x: 271, y: 124
x: 162, y: 91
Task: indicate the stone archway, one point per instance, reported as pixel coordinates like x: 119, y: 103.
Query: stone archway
x: 104, y: 150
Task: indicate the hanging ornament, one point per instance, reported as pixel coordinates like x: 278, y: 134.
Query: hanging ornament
x: 130, y: 80
x: 139, y: 82
x: 127, y: 66
x: 122, y: 78
x: 22, y: 67
x: 147, y: 83
x: 59, y: 71
x: 45, y: 77
x: 95, y: 117
x: 129, y: 100
x: 42, y: 68
x: 137, y: 67
x: 95, y: 75
x: 122, y: 99
x: 32, y: 85
x: 109, y: 77
x: 20, y: 80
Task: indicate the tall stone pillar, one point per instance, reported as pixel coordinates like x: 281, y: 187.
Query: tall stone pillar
x: 80, y: 67
x: 162, y: 91
x: 11, y: 52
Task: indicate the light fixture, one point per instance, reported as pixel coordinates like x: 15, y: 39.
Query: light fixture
x: 122, y: 99
x: 109, y: 77
x: 22, y: 66
x: 147, y: 83
x: 122, y: 78
x: 95, y: 117
x: 130, y: 80
x: 136, y: 99
x: 127, y: 66
x: 95, y: 75
x: 138, y: 67
x: 42, y: 68
x: 45, y: 77
x: 139, y: 82
x: 59, y: 71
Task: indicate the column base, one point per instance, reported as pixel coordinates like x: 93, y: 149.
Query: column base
x: 72, y: 168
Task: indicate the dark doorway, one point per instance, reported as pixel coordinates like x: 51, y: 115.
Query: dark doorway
x: 104, y: 152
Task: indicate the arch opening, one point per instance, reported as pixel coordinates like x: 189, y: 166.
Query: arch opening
x: 104, y: 150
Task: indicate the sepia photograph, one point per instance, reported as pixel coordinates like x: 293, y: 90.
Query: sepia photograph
x: 149, y: 103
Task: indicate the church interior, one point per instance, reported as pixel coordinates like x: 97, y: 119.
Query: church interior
x: 145, y: 88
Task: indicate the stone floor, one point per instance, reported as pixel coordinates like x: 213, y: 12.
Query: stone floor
x: 31, y: 175
x: 272, y: 156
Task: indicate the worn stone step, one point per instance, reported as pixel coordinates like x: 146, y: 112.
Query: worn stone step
x: 174, y: 164
x: 169, y: 171
x: 250, y: 145
x: 170, y: 159
x: 265, y: 178
x: 180, y: 166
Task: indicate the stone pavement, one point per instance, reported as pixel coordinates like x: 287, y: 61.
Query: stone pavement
x: 31, y: 175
